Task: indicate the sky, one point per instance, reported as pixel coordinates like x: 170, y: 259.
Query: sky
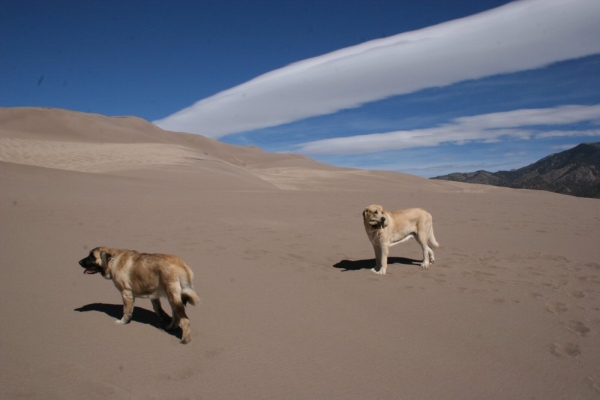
x: 423, y: 87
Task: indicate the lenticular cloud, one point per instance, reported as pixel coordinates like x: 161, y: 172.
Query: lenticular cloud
x: 519, y: 36
x: 517, y: 124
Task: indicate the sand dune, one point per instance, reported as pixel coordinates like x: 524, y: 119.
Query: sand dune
x: 510, y: 309
x: 88, y: 157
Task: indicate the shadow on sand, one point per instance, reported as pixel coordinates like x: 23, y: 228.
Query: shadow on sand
x: 356, y: 265
x: 140, y: 315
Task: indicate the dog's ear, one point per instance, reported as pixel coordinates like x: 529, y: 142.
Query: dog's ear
x: 105, y: 257
x: 364, y: 214
x: 384, y: 221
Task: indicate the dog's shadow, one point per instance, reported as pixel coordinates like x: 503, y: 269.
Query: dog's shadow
x: 356, y: 265
x: 140, y: 315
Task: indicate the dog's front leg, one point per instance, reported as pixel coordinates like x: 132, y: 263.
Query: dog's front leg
x: 381, y: 256
x: 127, y: 307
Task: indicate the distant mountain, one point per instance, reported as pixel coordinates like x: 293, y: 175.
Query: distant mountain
x: 574, y: 172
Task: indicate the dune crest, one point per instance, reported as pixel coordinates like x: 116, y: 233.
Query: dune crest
x: 93, y: 143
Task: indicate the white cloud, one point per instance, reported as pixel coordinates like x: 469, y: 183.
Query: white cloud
x: 518, y: 124
x: 522, y: 35
x: 529, y: 117
x: 566, y: 133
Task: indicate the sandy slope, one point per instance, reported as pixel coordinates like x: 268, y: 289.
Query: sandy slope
x: 511, y: 309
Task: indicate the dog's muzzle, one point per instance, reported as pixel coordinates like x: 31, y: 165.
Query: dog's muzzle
x: 90, y: 268
x: 377, y: 224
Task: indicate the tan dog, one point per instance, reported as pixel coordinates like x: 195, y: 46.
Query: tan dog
x: 147, y: 275
x: 387, y: 229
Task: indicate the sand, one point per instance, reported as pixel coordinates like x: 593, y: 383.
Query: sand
x: 290, y: 309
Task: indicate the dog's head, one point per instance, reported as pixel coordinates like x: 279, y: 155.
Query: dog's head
x: 97, y: 261
x: 374, y: 217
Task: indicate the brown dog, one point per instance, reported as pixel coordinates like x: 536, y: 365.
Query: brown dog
x: 147, y: 275
x: 388, y: 228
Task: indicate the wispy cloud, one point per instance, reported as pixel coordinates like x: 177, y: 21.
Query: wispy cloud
x: 442, y: 160
x: 492, y: 127
x: 522, y: 35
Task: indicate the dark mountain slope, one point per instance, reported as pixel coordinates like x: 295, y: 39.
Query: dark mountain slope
x: 575, y: 172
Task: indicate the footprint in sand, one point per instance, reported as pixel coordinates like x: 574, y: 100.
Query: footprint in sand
x: 565, y: 349
x: 252, y: 254
x: 213, y: 352
x: 593, y: 265
x: 559, y: 283
x: 579, y: 328
x: 578, y: 294
x: 556, y: 308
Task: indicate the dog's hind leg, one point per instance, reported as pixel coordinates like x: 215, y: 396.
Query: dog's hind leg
x: 158, y: 310
x: 431, y: 255
x: 128, y: 300
x: 432, y: 243
x: 424, y: 242
x: 183, y: 321
x: 174, y: 318
x: 184, y: 324
x: 179, y: 316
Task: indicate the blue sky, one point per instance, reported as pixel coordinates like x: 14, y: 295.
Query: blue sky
x: 424, y: 87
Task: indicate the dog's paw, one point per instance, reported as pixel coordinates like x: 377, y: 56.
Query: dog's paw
x: 120, y: 322
x: 380, y: 272
x: 425, y: 265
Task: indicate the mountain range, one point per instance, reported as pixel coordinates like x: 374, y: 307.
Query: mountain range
x: 573, y: 172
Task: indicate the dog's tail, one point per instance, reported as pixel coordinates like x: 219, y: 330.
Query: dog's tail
x: 188, y: 294
x: 432, y: 241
